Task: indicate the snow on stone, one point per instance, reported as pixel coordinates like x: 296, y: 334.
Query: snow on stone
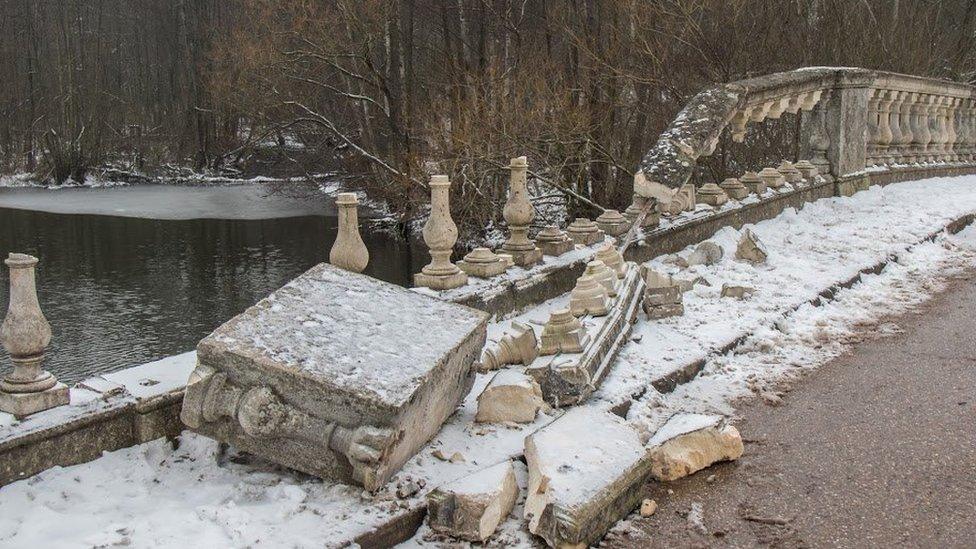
x: 153, y: 495
x: 681, y: 424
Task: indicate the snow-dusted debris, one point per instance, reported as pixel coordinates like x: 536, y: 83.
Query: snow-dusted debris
x: 471, y: 508
x: 510, y: 396
x: 585, y: 473
x: 688, y: 443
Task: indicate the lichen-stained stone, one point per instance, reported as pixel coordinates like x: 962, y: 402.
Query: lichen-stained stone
x: 335, y: 374
x: 688, y: 443
x: 580, y: 485
x: 472, y: 507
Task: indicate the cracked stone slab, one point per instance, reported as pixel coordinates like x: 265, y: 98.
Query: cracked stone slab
x: 471, y: 508
x: 336, y: 374
x: 688, y: 443
x: 579, y: 486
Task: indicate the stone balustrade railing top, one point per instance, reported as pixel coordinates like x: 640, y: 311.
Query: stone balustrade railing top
x: 851, y: 118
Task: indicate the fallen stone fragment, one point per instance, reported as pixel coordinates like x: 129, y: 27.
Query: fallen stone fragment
x: 586, y: 470
x: 510, y: 396
x: 738, y: 292
x: 456, y: 457
x: 750, y: 249
x: 518, y: 346
x: 471, y: 508
x: 688, y: 443
x: 336, y: 374
x: 706, y: 253
x: 648, y: 507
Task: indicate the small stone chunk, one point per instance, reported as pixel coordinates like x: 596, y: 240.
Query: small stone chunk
x: 789, y: 172
x: 683, y: 200
x: 471, y: 508
x: 483, y: 263
x: 648, y: 507
x: 734, y: 188
x: 563, y: 333
x: 662, y: 298
x: 753, y: 182
x: 584, y: 232
x: 580, y: 485
x: 552, y: 241
x: 604, y: 275
x: 612, y: 223
x: 688, y: 443
x: 706, y: 253
x: 738, y: 292
x: 772, y: 178
x: 589, y: 297
x: 807, y: 170
x: 510, y: 396
x: 519, y: 346
x: 712, y: 194
x: 750, y: 249
x: 611, y: 257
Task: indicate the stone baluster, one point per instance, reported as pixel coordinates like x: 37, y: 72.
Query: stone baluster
x: 962, y: 131
x: 908, y: 127
x: 518, y: 215
x: 810, y: 100
x: 440, y: 234
x: 349, y: 252
x: 948, y: 150
x: 25, y: 334
x: 920, y: 129
x: 777, y: 107
x: 817, y: 141
x: 894, y: 152
x: 968, y: 121
x: 931, y: 123
x: 759, y: 112
x: 737, y: 126
x: 873, y: 115
x: 941, y: 135
x: 885, y: 134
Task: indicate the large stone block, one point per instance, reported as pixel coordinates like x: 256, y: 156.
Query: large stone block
x: 336, y: 374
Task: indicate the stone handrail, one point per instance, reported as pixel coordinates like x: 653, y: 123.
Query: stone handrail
x: 852, y: 118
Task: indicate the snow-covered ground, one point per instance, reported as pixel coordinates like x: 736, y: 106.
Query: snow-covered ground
x: 154, y: 495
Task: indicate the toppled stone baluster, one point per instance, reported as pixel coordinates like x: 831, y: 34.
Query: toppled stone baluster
x: 519, y: 214
x: 25, y: 334
x: 563, y: 333
x: 440, y: 234
x: 349, y: 252
x: 552, y: 241
x: 518, y: 346
x: 483, y: 263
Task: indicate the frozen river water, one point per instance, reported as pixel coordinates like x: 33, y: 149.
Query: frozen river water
x: 139, y: 273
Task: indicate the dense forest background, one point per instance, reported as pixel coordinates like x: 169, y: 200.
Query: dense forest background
x: 385, y: 92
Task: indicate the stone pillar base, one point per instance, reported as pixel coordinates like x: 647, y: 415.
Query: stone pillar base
x: 441, y: 282
x: 557, y: 248
x: 25, y: 404
x: 524, y: 258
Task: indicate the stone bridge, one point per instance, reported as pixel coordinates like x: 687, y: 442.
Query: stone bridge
x: 270, y: 382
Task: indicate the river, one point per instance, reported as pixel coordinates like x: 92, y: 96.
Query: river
x: 145, y: 272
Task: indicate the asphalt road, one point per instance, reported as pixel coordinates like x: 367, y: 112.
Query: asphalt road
x: 875, y: 449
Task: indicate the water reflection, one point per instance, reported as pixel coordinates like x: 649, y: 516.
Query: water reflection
x: 124, y: 291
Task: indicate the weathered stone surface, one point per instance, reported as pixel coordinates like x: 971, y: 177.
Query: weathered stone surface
x: 584, y: 232
x: 612, y: 223
x: 336, y: 374
x: 753, y: 182
x: 712, y: 194
x: 511, y: 395
x: 751, y: 249
x: 517, y: 346
x: 471, y: 508
x: 738, y: 292
x: 349, y: 251
x: 706, y: 253
x: 807, y: 170
x: 563, y: 333
x: 662, y: 297
x: 734, y: 188
x: 653, y: 216
x: 589, y: 297
x: 790, y: 173
x: 648, y: 508
x: 683, y: 200
x: 772, y: 178
x: 553, y: 241
x: 688, y: 443
x: 570, y: 379
x: 481, y: 262
x: 518, y: 213
x: 612, y: 258
x: 440, y: 234
x: 604, y: 275
x: 25, y: 404
x: 579, y: 486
